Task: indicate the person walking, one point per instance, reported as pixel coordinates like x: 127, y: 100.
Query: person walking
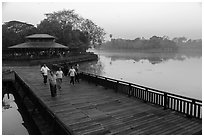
x: 72, y: 73
x: 44, y: 71
x: 59, y: 75
x: 53, y: 82
x: 77, y: 73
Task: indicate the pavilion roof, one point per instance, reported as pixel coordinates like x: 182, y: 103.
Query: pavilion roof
x: 40, y: 36
x: 38, y: 45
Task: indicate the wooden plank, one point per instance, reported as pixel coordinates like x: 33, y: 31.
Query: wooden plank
x: 178, y: 125
x: 160, y: 125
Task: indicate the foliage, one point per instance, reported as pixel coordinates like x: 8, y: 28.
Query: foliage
x: 95, y: 33
x: 67, y: 26
x: 188, y: 43
x: 155, y: 43
x: 14, y: 32
x: 71, y: 29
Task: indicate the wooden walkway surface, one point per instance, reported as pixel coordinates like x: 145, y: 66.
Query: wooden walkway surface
x: 89, y: 109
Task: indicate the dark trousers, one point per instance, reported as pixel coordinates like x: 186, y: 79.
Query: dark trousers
x: 77, y: 78
x: 59, y: 82
x: 53, y: 90
x: 72, y: 80
x: 45, y: 79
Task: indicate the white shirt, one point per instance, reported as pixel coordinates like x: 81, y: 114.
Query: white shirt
x: 72, y: 72
x: 59, y: 74
x: 44, y: 70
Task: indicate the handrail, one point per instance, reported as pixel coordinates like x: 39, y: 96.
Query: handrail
x: 39, y: 103
x: 133, y: 84
x: 189, y: 106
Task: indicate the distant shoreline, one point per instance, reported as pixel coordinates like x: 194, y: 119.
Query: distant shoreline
x: 180, y: 49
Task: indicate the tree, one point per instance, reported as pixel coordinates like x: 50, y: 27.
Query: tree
x: 53, y: 28
x: 65, y: 17
x: 180, y: 40
x: 96, y: 34
x: 111, y: 36
x: 71, y: 29
x: 14, y: 32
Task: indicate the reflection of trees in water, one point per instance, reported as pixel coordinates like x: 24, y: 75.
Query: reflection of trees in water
x: 154, y: 58
x: 94, y: 67
x: 97, y: 67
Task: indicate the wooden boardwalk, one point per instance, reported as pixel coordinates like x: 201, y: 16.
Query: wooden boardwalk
x: 89, y: 109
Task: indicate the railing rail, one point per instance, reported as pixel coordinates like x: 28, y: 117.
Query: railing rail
x: 188, y: 106
x: 59, y: 127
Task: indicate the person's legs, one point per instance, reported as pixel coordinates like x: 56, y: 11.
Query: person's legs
x: 51, y: 90
x: 55, y: 90
x: 59, y: 82
x: 45, y: 79
x: 72, y: 80
x: 77, y: 78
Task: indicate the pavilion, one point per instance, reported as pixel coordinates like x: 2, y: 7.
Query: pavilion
x: 39, y: 45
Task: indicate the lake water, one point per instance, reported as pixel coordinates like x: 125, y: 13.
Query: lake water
x: 15, y: 118
x: 12, y: 121
x: 175, y: 73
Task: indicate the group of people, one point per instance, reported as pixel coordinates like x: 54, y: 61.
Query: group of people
x: 55, y: 77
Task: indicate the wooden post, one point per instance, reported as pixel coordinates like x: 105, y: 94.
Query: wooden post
x: 165, y: 101
x: 191, y: 111
x: 130, y: 91
x: 145, y: 95
x: 96, y: 80
x: 88, y: 78
x: 117, y: 85
x: 106, y: 83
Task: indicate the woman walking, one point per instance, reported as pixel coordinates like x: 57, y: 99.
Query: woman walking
x: 59, y: 75
x: 52, y: 80
x: 77, y: 73
x: 72, y: 73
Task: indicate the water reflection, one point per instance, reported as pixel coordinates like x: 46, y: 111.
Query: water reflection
x: 170, y: 72
x: 94, y: 67
x: 153, y: 58
x: 12, y: 122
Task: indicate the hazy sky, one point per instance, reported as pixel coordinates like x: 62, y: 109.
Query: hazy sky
x: 121, y: 19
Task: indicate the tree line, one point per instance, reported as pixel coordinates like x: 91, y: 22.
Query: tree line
x: 68, y: 27
x: 155, y: 43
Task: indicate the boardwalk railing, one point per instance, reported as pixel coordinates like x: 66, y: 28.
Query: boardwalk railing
x: 57, y: 126
x: 188, y: 106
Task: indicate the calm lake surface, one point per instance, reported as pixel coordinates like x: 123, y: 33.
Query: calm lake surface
x: 171, y: 72
x: 12, y: 121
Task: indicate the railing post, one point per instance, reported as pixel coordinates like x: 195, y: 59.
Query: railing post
x: 117, y: 85
x: 165, y: 101
x: 106, y: 83
x: 130, y: 90
x: 145, y: 95
x: 96, y: 80
x: 88, y: 75
x: 191, y: 110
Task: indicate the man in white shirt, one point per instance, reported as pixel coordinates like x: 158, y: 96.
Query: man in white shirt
x: 72, y: 73
x: 44, y: 71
